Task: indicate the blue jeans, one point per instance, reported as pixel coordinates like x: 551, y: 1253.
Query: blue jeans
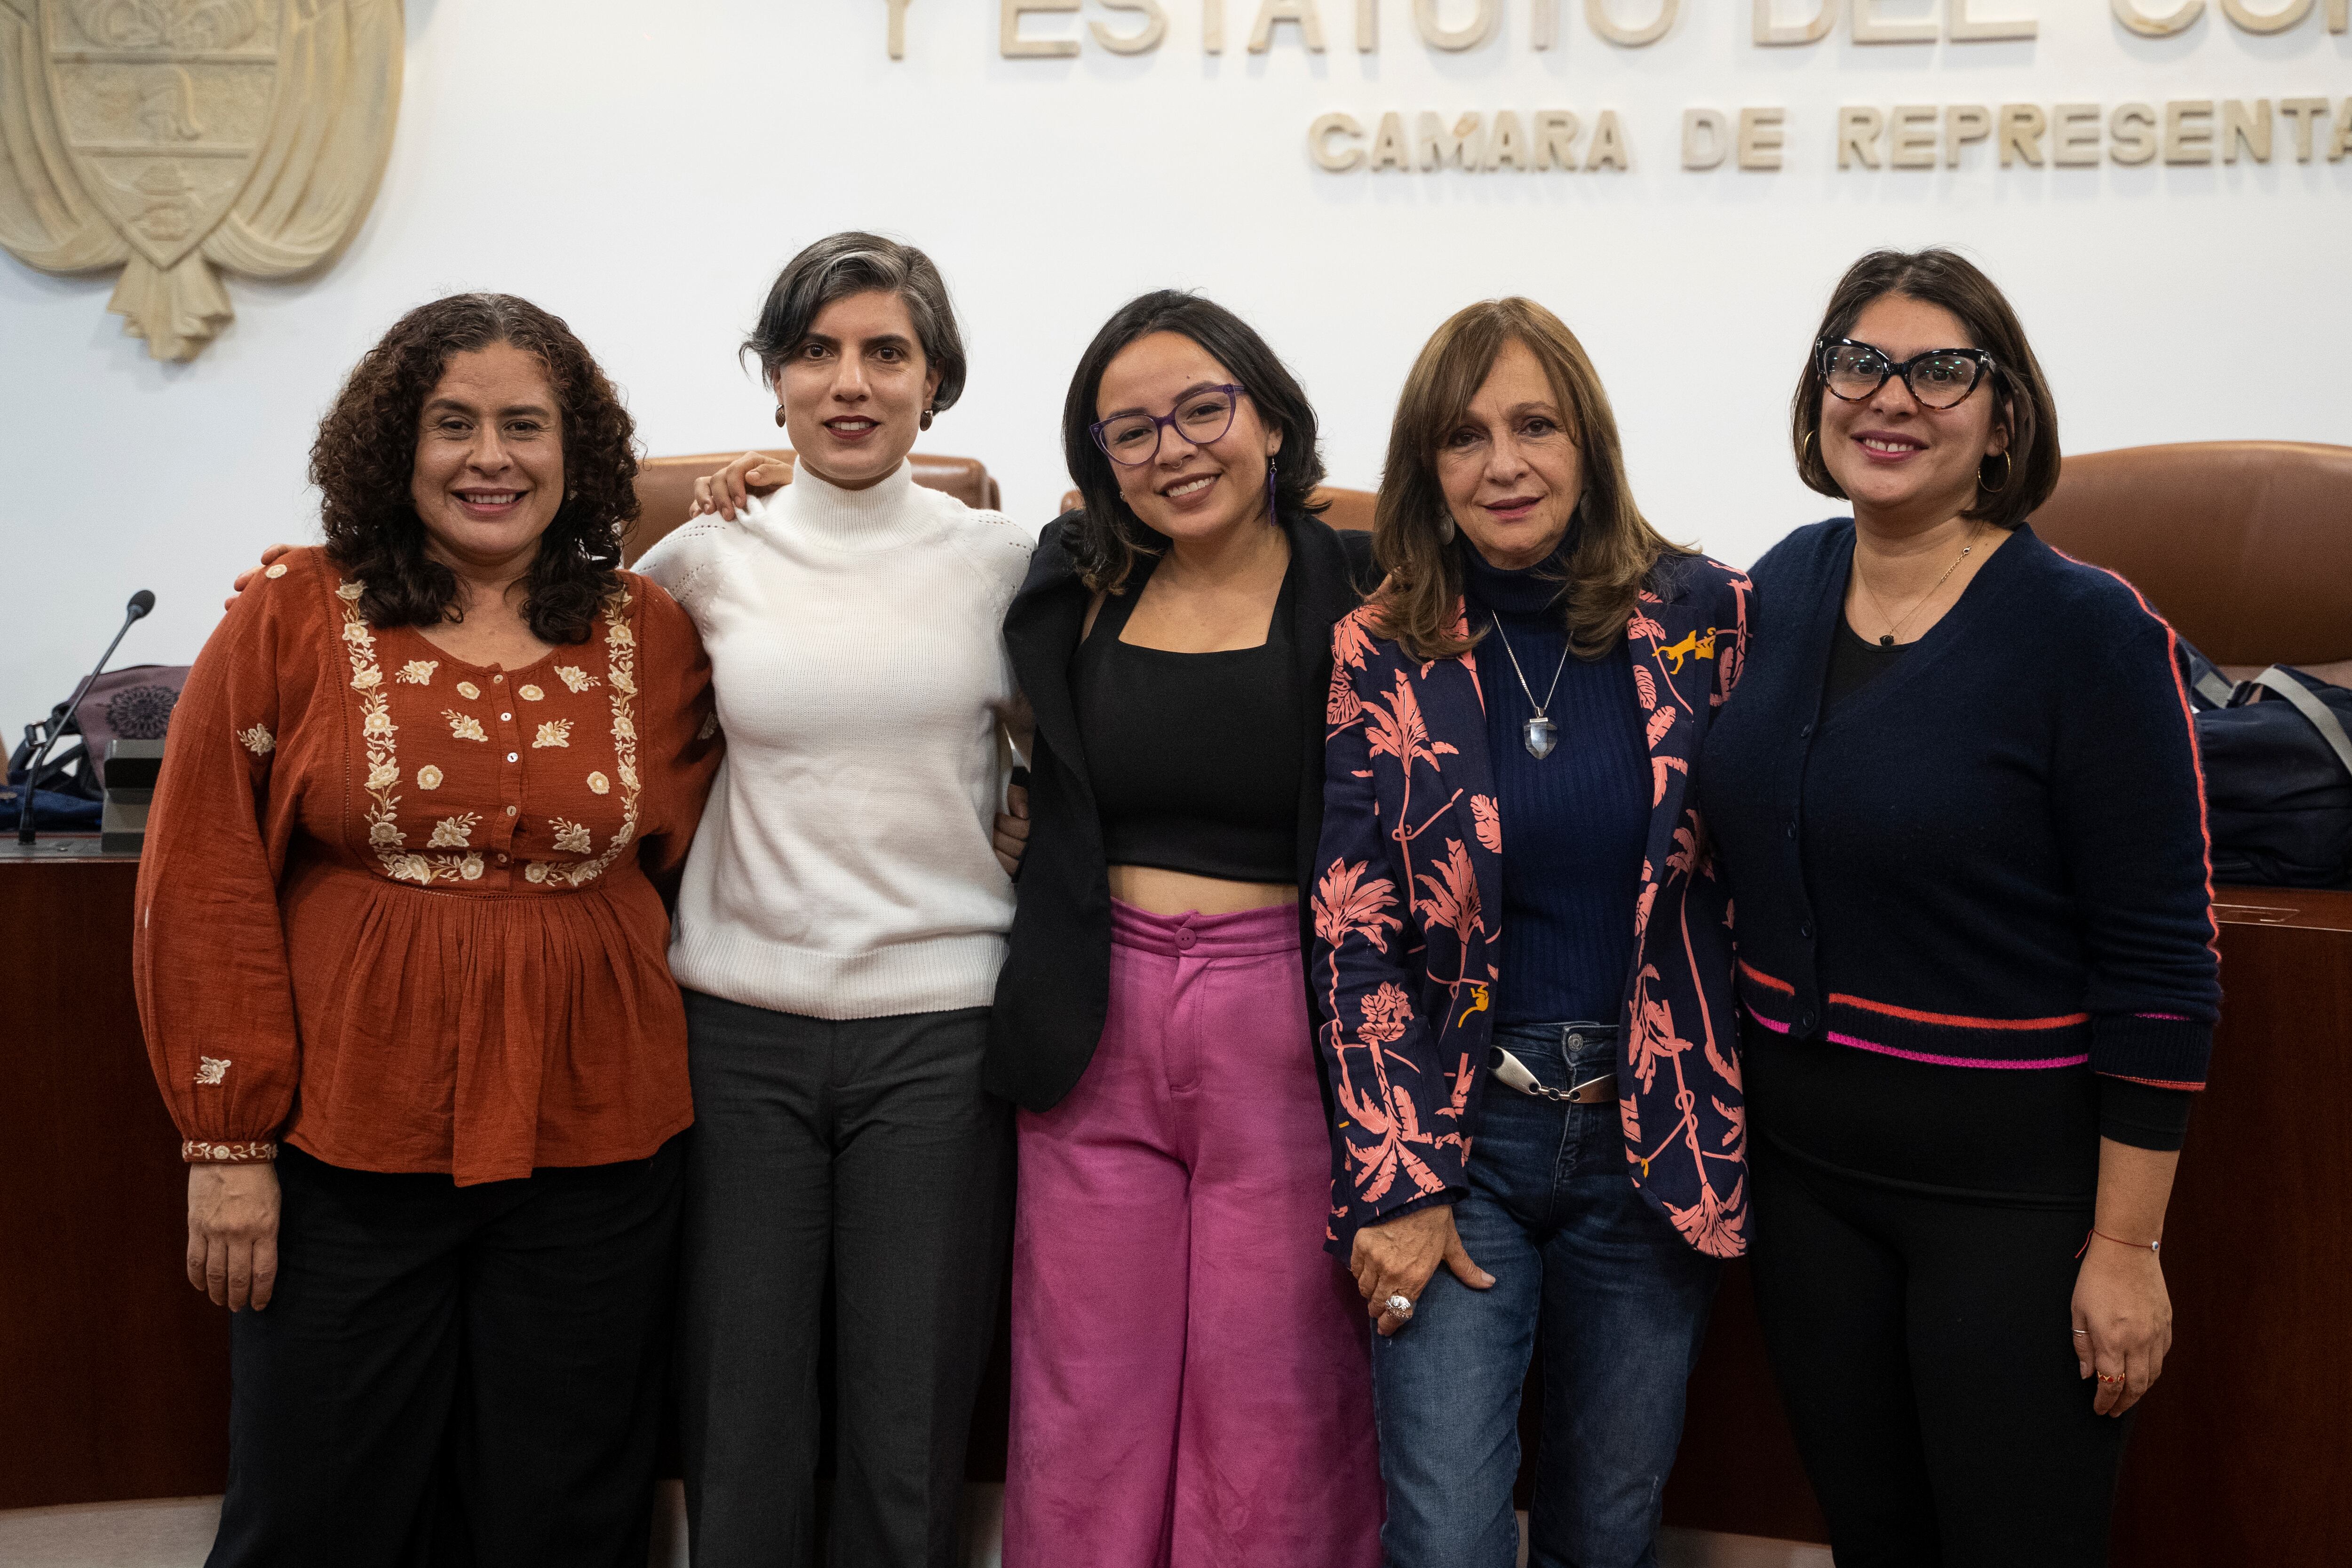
x: 1622, y: 1305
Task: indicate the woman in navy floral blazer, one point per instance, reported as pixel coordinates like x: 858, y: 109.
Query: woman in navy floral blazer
x: 1538, y: 668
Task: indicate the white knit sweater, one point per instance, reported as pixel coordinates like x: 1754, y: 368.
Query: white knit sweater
x: 843, y: 868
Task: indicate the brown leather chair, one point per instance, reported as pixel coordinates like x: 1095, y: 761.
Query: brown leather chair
x: 2244, y: 546
x: 1350, y: 510
x: 666, y: 488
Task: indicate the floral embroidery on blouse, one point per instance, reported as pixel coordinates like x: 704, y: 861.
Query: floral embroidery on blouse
x: 418, y: 671
x: 530, y: 693
x: 377, y: 731
x: 621, y: 663
x: 381, y: 737
x: 468, y: 691
x: 229, y: 1154
x: 555, y: 733
x: 570, y: 837
x: 576, y: 678
x: 258, y: 741
x: 211, y: 1069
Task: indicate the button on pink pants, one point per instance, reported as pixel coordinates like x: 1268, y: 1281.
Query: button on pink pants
x: 1191, y: 1382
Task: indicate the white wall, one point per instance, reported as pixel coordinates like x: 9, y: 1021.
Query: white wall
x: 642, y: 169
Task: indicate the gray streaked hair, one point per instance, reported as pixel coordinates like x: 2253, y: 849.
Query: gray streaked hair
x: 854, y: 262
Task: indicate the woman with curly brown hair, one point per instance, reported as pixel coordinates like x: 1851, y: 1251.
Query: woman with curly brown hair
x: 400, y: 963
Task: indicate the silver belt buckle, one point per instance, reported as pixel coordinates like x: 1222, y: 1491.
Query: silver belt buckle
x: 1513, y: 1074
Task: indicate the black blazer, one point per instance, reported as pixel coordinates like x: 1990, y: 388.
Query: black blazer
x: 1055, y: 988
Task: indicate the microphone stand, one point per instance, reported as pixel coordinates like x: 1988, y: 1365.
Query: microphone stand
x: 140, y: 603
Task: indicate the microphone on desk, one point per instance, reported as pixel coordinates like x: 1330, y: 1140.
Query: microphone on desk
x: 140, y: 603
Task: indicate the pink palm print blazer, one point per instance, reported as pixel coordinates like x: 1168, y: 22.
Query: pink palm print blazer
x: 1407, y: 908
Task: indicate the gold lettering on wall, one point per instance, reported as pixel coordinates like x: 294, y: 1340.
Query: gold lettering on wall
x: 1870, y: 28
x: 1474, y: 143
x: 1707, y: 138
x: 1964, y: 123
x: 2128, y: 13
x: 1760, y: 138
x: 1811, y: 31
x: 1964, y: 29
x: 1597, y: 17
x: 1301, y: 14
x: 1487, y: 16
x: 1140, y: 42
x: 1013, y: 45
x: 2277, y: 21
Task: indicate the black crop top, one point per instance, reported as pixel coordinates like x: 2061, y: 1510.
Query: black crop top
x: 1196, y: 758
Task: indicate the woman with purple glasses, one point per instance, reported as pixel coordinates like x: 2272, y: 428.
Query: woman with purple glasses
x: 1190, y: 1373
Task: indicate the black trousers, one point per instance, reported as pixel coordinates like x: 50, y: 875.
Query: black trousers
x: 863, y: 1150
x: 454, y: 1375
x: 1924, y: 1346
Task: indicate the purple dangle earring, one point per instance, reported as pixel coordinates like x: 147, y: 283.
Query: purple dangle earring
x: 1271, y: 515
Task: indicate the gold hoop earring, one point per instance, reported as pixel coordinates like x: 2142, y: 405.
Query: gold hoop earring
x: 2007, y: 468
x: 779, y: 415
x: 1805, y: 449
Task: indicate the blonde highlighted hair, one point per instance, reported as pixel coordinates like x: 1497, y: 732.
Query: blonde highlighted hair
x: 1611, y: 550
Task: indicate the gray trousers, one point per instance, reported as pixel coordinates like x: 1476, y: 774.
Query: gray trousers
x: 860, y: 1156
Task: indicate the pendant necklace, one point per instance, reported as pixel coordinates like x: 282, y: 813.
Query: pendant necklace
x: 1539, y: 732
x: 1888, y: 640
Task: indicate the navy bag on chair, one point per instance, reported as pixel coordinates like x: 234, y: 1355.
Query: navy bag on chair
x: 2277, y: 756
x: 133, y: 703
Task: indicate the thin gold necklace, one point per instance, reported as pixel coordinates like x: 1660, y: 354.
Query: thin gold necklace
x: 1919, y: 604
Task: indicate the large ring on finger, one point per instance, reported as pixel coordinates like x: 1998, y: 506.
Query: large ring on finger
x: 1399, y: 1305
x: 2105, y: 1378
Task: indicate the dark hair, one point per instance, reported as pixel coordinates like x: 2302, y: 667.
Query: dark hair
x: 1611, y: 548
x: 854, y: 262
x: 1111, y: 536
x: 365, y: 457
x: 2022, y: 398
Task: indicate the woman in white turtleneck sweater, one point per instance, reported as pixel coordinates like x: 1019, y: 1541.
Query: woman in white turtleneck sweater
x: 838, y: 937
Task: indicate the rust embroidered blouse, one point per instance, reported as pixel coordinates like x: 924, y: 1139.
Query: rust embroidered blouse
x: 399, y: 911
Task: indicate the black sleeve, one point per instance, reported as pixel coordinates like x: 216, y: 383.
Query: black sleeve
x: 2143, y: 1115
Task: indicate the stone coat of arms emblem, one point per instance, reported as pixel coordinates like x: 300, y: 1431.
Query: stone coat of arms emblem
x: 173, y: 137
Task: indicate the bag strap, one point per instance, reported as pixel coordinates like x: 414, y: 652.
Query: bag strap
x: 2203, y: 678
x: 2331, y: 729
x: 2210, y: 685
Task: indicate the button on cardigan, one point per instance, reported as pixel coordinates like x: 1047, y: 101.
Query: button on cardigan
x: 1994, y: 855
x: 397, y: 909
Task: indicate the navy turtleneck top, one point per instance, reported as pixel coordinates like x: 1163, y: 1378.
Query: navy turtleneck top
x: 1574, y: 823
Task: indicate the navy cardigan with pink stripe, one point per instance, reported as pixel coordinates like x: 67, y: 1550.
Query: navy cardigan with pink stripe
x: 1994, y: 855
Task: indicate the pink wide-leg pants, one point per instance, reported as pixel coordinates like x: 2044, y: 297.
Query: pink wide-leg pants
x: 1190, y: 1380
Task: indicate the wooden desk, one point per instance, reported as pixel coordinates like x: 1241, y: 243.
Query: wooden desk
x: 2244, y: 1450
x: 114, y: 1372
x: 114, y: 1379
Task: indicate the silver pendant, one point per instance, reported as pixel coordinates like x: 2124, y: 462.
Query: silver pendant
x: 1541, y: 735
